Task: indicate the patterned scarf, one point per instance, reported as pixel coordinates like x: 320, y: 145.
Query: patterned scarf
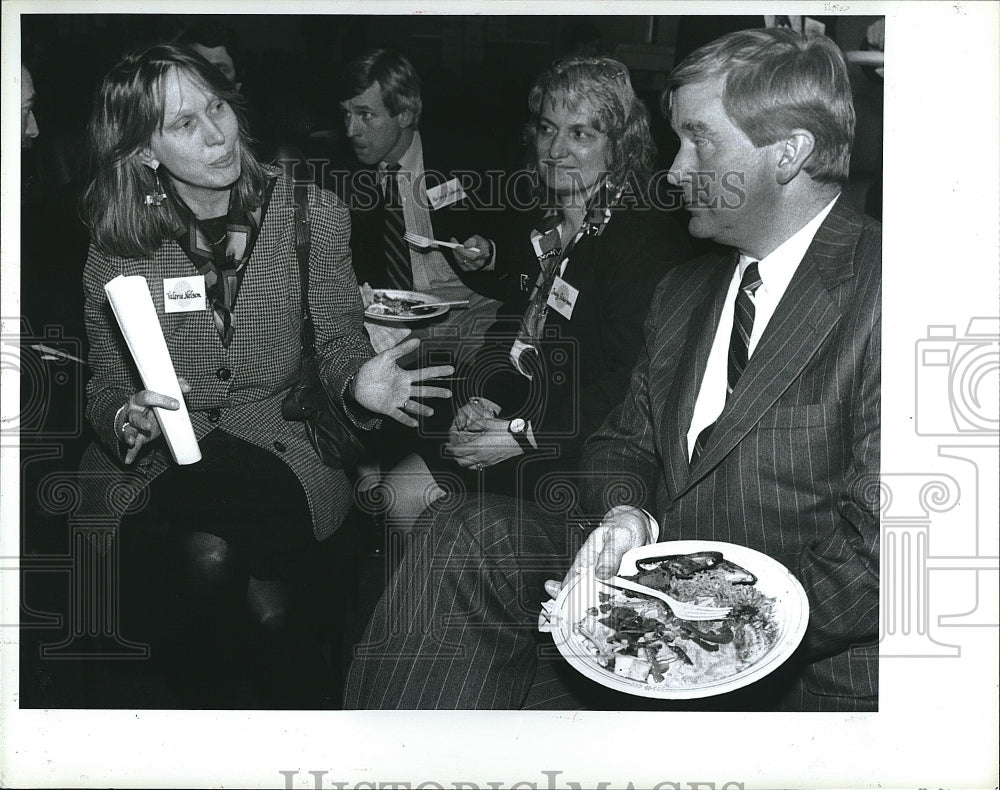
x: 551, y: 257
x: 223, y: 265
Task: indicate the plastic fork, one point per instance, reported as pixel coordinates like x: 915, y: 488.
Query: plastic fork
x: 424, y: 243
x: 434, y: 305
x: 684, y: 611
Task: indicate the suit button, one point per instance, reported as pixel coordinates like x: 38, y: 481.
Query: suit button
x: 223, y: 374
x: 280, y: 447
x: 214, y: 415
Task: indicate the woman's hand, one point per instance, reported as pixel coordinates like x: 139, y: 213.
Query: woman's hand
x: 487, y: 443
x: 623, y: 528
x: 474, y: 253
x: 472, y: 412
x: 138, y: 423
x: 385, y: 388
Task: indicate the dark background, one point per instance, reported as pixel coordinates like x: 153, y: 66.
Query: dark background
x: 476, y: 71
x: 476, y: 74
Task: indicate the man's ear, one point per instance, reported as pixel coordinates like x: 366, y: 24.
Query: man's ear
x: 793, y: 152
x: 405, y: 119
x: 146, y: 157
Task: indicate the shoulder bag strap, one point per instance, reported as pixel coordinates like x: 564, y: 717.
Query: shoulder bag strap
x: 302, y: 249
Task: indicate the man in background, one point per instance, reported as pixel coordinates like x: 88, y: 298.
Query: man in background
x: 404, y: 181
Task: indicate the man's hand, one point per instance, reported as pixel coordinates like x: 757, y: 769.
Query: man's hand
x: 623, y: 528
x: 383, y: 387
x: 474, y: 253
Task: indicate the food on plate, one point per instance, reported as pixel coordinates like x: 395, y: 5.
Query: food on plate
x: 637, y: 637
x: 382, y: 304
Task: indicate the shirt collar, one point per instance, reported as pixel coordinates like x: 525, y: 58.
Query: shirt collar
x: 777, y: 268
x: 412, y: 160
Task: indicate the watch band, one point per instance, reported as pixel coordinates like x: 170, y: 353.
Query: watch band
x: 521, y: 434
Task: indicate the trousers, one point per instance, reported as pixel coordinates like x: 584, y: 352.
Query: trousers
x: 456, y: 627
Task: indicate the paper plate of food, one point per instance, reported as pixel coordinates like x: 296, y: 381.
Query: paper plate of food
x: 388, y: 304
x: 634, y: 643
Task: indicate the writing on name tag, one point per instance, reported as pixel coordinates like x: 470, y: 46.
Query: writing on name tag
x: 562, y: 297
x: 445, y: 194
x: 183, y: 294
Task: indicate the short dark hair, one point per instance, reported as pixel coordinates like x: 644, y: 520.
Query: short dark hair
x: 777, y: 80
x: 212, y: 35
x: 128, y: 110
x: 398, y: 81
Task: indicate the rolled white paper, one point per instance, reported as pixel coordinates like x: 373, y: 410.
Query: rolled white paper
x: 133, y: 307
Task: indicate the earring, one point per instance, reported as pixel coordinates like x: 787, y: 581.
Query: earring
x: 157, y: 196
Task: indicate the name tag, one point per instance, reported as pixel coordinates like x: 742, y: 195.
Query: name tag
x: 445, y: 194
x: 562, y: 297
x: 184, y: 294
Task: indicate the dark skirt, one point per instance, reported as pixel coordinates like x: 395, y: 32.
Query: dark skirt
x: 238, y: 492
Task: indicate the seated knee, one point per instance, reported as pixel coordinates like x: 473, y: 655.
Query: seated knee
x: 272, y: 619
x: 209, y: 557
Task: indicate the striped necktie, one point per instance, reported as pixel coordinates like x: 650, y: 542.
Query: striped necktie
x: 739, y: 344
x: 399, y: 272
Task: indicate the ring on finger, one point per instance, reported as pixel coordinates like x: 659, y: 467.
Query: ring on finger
x: 406, y: 404
x: 125, y: 425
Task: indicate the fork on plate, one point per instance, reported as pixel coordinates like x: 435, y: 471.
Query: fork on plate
x: 423, y: 242
x: 685, y: 611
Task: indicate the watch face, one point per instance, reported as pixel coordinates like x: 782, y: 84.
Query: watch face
x: 516, y: 425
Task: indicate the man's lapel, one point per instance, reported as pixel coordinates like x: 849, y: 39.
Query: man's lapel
x: 805, y: 316
x: 683, y: 392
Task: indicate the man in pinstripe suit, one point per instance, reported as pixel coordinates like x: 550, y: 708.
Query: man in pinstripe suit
x: 775, y: 446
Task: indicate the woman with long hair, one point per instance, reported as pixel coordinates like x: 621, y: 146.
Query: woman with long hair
x: 176, y: 194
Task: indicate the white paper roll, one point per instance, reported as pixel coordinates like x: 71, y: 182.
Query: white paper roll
x: 133, y: 307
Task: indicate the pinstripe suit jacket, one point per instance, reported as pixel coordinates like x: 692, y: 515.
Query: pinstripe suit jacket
x: 237, y: 389
x: 791, y: 468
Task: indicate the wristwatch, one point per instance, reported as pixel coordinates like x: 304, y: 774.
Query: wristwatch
x: 518, y: 428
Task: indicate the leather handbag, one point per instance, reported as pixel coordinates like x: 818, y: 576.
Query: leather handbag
x: 336, y: 440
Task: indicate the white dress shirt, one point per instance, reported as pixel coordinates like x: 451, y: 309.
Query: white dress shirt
x: 776, y: 272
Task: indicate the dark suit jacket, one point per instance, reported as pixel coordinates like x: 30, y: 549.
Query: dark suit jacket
x: 585, y: 361
x: 792, y: 466
x: 362, y: 193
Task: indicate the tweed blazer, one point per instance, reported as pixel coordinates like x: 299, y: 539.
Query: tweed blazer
x: 792, y: 466
x: 237, y: 389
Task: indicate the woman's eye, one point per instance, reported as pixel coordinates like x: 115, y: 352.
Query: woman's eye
x: 544, y: 129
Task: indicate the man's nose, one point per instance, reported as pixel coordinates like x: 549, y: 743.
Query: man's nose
x: 353, y: 127
x: 678, y: 170
x: 31, y: 130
